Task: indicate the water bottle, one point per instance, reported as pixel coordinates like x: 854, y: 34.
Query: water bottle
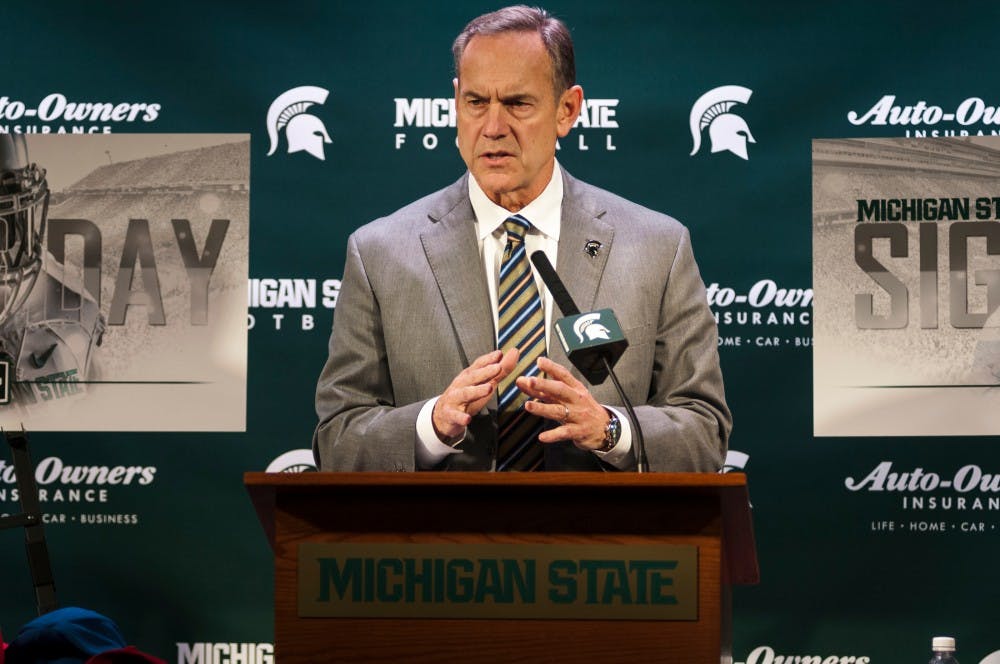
x: 944, y: 650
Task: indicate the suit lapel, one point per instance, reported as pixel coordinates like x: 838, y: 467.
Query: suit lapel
x: 452, y: 251
x: 582, y: 223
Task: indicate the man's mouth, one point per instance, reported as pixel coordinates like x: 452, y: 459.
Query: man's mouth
x: 496, y: 155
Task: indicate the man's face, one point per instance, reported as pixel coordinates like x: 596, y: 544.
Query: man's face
x: 508, y: 116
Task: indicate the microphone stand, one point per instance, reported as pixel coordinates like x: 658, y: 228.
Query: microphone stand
x: 642, y: 464
x: 568, y: 307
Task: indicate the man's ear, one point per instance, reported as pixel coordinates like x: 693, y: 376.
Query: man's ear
x: 570, y: 103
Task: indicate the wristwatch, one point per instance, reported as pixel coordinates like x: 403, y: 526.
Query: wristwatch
x: 612, y: 432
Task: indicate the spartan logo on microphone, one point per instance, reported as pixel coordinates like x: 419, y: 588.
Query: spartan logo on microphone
x: 588, y: 339
x: 590, y: 325
x: 727, y: 131
x: 303, y: 131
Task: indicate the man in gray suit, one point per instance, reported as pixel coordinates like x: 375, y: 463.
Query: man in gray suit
x: 415, y: 365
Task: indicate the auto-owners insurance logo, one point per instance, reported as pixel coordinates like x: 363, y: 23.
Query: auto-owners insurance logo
x: 55, y: 113
x: 971, y: 117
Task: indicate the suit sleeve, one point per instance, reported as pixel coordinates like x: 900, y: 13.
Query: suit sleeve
x: 685, y: 420
x: 360, y: 427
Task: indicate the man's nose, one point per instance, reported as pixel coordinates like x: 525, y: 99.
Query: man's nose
x: 496, y: 121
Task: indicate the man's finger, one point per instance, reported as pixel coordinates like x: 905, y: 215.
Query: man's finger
x: 472, y: 393
x: 556, y: 412
x: 508, y: 362
x: 546, y: 389
x: 558, y: 434
x: 489, y: 358
x: 559, y: 372
x: 456, y: 416
x: 448, y: 421
x: 478, y: 376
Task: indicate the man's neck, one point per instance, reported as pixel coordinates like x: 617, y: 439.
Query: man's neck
x: 519, y: 199
x: 546, y: 204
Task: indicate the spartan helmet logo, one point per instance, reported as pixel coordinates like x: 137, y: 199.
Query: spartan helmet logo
x: 294, y: 461
x: 589, y: 325
x: 728, y: 131
x: 303, y: 131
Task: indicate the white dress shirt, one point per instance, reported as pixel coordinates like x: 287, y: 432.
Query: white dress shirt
x: 545, y: 215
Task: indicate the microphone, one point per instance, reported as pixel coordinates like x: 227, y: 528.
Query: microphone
x: 597, y: 354
x: 588, y: 338
x: 555, y: 285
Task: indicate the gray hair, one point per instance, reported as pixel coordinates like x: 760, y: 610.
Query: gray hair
x: 520, y: 18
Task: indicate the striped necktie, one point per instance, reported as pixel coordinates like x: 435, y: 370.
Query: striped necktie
x: 522, y: 326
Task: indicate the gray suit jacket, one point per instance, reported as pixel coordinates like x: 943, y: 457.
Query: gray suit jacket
x: 414, y: 311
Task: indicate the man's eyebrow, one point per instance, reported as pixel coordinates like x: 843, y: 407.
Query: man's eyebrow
x: 504, y: 99
x: 517, y: 97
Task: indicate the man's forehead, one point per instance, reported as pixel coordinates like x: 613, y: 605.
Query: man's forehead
x: 507, y: 55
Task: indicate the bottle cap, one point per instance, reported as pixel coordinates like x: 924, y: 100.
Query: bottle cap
x: 943, y: 643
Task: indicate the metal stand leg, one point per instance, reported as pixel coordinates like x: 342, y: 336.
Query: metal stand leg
x: 30, y: 519
x: 727, y: 625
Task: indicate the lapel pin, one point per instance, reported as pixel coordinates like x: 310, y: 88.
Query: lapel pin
x: 592, y: 248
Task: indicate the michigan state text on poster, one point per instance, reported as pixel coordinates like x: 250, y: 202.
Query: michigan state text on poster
x: 123, y: 272
x: 906, y: 273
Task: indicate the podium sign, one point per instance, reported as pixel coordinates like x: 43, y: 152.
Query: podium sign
x: 498, y: 581
x: 460, y: 567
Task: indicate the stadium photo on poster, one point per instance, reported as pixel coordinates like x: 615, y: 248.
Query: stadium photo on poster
x: 906, y: 274
x: 123, y: 271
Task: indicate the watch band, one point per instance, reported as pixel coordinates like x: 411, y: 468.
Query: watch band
x: 612, y: 432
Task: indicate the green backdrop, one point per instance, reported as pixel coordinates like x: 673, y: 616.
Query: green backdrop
x: 195, y: 569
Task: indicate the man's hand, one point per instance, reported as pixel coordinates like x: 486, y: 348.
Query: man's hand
x: 561, y: 397
x: 469, y: 392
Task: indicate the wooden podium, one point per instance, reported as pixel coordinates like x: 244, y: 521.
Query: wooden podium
x: 704, y: 513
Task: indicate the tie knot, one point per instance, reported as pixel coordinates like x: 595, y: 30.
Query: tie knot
x: 516, y: 226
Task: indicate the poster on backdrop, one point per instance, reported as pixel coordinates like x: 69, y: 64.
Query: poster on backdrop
x: 123, y: 272
x: 906, y: 274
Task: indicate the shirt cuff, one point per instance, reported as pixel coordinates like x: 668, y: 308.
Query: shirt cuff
x: 428, y: 448
x: 619, y: 456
